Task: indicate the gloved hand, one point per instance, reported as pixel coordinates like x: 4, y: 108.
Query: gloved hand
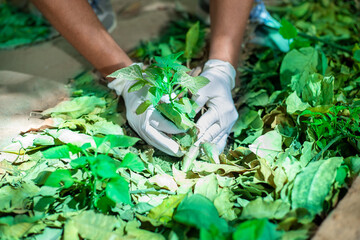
x: 150, y: 125
x: 215, y: 125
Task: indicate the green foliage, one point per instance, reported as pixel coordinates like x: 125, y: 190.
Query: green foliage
x: 186, y: 34
x: 287, y: 30
x: 257, y: 229
x: 95, y: 169
x: 166, y: 77
x: 18, y: 27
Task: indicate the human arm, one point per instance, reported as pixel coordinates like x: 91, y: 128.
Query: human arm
x: 228, y: 22
x: 77, y: 22
x: 79, y: 25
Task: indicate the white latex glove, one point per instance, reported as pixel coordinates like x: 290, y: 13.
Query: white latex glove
x: 215, y: 125
x: 150, y: 125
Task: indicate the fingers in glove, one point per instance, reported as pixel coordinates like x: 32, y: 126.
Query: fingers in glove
x: 210, y: 134
x: 200, y: 101
x: 206, y: 121
x: 160, y: 123
x: 161, y: 141
x: 221, y: 143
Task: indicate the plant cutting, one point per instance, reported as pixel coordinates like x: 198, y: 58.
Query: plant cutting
x: 169, y: 89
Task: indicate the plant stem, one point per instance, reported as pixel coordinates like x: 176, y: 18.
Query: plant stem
x: 332, y: 44
x: 317, y: 156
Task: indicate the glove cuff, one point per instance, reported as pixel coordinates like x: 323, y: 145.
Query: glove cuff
x: 225, y: 67
x: 121, y: 85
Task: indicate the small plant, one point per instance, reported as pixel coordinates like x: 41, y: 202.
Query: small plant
x: 166, y: 77
x: 94, y: 181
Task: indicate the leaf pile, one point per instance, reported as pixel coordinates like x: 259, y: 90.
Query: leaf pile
x: 18, y: 27
x: 292, y: 156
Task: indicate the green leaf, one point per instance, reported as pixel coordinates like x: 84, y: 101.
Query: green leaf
x: 105, y: 167
x: 257, y: 229
x: 312, y: 185
x: 118, y: 190
x: 60, y: 178
x: 133, y: 162
x: 130, y: 73
x: 79, y: 162
x: 192, y: 37
x: 200, y: 212
x: 164, y: 212
x: 287, y: 30
x: 295, y: 104
x: 192, y: 83
x: 142, y: 107
x: 122, y: 141
x: 177, y: 117
x: 261, y: 208
x: 267, y: 146
x: 137, y: 86
x: 357, y: 55
x: 76, y: 107
x: 57, y: 152
x: 302, y: 62
x: 155, y: 94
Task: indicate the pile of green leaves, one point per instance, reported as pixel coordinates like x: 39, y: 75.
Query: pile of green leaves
x: 293, y: 154
x: 166, y: 77
x: 18, y: 27
x: 187, y: 34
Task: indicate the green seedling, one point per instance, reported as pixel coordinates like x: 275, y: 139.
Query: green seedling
x: 94, y: 180
x: 166, y: 78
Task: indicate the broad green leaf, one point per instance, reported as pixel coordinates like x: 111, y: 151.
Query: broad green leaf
x: 178, y: 118
x: 192, y: 83
x: 105, y: 167
x: 257, y: 229
x: 137, y: 86
x: 261, y: 208
x: 44, y: 140
x: 267, y: 146
x: 60, y: 178
x: 165, y: 211
x: 170, y: 61
x: 79, y: 162
x: 91, y: 225
x: 16, y: 197
x: 225, y: 205
x: 200, y: 212
x: 155, y: 94
x: 207, y: 186
x: 117, y: 189
x: 295, y: 104
x: 142, y: 107
x: 130, y: 73
x: 302, y: 62
x: 312, y: 185
x: 287, y: 30
x: 133, y: 162
x: 247, y: 118
x: 319, y: 90
x: 357, y: 55
x: 122, y: 141
x: 57, y: 152
x: 76, y: 107
x: 192, y: 37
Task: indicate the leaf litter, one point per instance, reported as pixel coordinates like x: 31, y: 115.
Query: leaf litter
x: 290, y: 159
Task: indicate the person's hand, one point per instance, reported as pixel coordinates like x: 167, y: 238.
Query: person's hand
x: 215, y: 125
x: 150, y: 125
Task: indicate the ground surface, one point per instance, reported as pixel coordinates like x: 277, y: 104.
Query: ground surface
x: 32, y: 81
